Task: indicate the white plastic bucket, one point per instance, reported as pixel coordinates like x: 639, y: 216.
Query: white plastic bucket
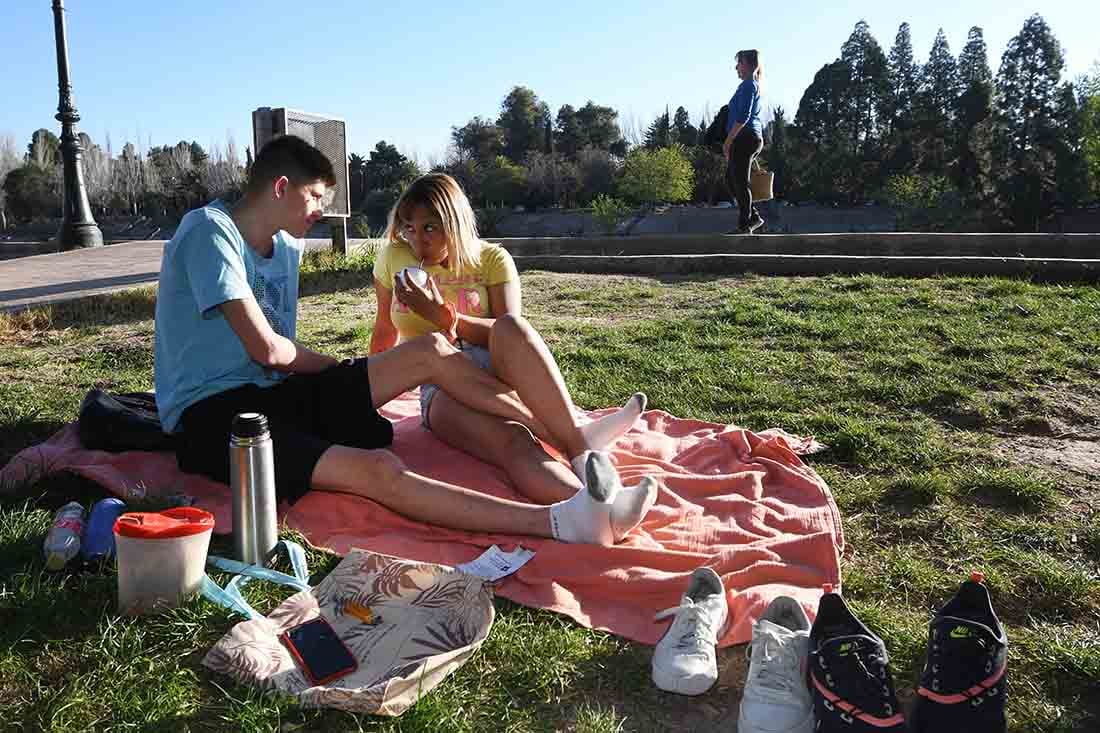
x: 161, y: 557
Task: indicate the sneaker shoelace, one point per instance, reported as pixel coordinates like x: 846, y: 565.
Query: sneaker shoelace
x: 693, y: 628
x: 958, y: 662
x: 868, y: 689
x: 778, y: 667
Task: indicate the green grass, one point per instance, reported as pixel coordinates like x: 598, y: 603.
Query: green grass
x: 914, y: 385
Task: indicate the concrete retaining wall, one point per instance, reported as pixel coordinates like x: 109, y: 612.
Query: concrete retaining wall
x: 1049, y: 270
x: 1057, y: 246
x: 781, y: 218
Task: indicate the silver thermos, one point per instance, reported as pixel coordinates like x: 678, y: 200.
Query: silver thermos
x: 252, y: 476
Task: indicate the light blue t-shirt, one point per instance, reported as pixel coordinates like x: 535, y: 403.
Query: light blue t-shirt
x: 745, y: 107
x: 207, y: 262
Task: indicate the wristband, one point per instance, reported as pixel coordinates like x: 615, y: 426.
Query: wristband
x: 450, y: 330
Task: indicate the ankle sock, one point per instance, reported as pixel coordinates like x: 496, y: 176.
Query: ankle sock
x: 603, y: 512
x: 586, y: 516
x: 631, y: 505
x: 604, y: 431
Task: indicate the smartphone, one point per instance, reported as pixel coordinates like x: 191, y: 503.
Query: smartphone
x: 319, y: 651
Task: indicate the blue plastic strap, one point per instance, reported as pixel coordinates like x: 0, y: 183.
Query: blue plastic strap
x: 230, y: 597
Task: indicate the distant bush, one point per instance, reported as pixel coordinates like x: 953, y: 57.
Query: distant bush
x: 488, y: 218
x: 609, y: 212
x: 664, y: 175
x: 503, y: 183
x: 926, y: 203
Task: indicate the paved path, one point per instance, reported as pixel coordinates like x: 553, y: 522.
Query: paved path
x: 44, y: 279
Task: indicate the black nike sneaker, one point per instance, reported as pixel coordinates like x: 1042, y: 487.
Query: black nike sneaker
x: 849, y: 674
x: 963, y: 683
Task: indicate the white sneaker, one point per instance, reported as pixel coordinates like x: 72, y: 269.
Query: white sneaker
x: 777, y: 698
x: 684, y: 659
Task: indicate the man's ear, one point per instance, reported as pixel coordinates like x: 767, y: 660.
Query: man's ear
x: 281, y: 185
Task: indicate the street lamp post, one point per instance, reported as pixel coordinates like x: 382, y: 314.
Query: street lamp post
x: 78, y: 228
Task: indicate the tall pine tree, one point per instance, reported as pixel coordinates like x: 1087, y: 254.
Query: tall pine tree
x: 904, y: 76
x: 1027, y: 100
x: 824, y: 155
x: 866, y: 105
x: 683, y: 131
x: 868, y: 87
x: 936, y: 104
x: 972, y: 175
x: 659, y: 133
x: 973, y: 61
x: 1068, y: 144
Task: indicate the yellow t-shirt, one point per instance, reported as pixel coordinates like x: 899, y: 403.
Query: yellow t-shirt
x: 468, y: 293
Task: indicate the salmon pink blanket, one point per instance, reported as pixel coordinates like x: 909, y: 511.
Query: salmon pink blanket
x: 741, y: 502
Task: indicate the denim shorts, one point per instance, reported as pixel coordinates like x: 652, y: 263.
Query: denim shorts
x: 477, y: 354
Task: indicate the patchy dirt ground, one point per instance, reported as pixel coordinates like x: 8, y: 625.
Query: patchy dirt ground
x: 713, y: 712
x: 1063, y: 437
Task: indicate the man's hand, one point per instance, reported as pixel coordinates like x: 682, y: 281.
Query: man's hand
x: 426, y: 302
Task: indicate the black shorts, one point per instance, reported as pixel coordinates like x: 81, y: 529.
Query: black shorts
x: 306, y: 414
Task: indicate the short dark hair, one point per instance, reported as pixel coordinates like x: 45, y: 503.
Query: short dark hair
x: 293, y: 157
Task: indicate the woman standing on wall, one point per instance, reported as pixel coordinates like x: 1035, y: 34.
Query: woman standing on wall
x: 744, y: 137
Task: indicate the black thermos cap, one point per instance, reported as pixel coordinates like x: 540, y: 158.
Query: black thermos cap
x: 249, y: 425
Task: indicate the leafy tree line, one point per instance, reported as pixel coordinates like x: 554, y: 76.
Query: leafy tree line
x: 948, y: 141
x: 164, y: 180
x: 529, y: 157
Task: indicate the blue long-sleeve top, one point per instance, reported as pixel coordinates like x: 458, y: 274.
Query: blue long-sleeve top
x: 745, y: 107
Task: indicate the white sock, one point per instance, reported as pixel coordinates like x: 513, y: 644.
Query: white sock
x: 603, y: 512
x: 578, y: 463
x: 586, y: 516
x: 631, y: 505
x: 604, y: 431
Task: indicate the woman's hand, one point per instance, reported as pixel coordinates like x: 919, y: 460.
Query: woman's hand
x: 728, y: 145
x: 426, y: 302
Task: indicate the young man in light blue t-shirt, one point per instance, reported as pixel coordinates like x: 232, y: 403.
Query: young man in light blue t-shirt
x: 226, y: 323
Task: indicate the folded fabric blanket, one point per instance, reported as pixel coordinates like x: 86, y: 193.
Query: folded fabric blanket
x: 743, y: 503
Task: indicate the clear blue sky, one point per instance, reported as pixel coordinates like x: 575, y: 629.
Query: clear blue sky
x: 165, y: 71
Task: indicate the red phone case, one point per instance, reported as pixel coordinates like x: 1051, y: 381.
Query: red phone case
x: 289, y: 644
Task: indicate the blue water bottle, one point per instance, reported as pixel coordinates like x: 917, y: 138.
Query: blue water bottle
x: 98, y: 542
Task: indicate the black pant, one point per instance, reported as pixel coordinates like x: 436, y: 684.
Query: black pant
x: 746, y: 146
x: 306, y: 414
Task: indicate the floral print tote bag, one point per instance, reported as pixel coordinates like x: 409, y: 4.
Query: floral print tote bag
x: 408, y: 624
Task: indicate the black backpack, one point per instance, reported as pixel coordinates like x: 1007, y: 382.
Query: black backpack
x: 716, y: 132
x: 121, y: 422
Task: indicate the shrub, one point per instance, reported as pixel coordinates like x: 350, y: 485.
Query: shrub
x: 656, y: 176
x: 609, y: 212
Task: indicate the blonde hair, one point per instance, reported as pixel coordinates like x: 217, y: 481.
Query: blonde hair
x: 752, y: 57
x: 442, y: 195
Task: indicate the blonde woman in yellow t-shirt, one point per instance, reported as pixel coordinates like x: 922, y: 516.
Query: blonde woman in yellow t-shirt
x: 472, y: 295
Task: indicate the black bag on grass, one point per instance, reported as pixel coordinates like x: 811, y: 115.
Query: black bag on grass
x: 123, y: 422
